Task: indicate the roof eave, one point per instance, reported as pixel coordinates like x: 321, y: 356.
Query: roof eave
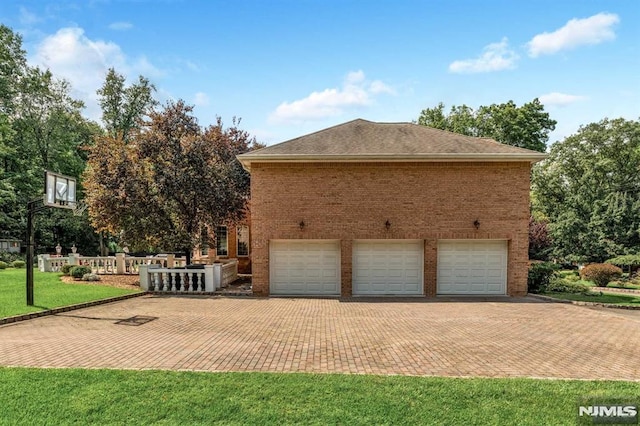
x: 247, y: 159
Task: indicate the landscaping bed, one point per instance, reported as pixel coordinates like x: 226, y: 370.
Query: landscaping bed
x: 128, y: 282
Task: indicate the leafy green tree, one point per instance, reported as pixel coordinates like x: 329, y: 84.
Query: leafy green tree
x: 41, y: 127
x: 124, y: 107
x: 12, y: 67
x: 527, y: 126
x: 589, y: 189
x: 169, y: 181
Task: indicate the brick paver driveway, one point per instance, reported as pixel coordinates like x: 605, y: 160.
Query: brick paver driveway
x: 511, y: 337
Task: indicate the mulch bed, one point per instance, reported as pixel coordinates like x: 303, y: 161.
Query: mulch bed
x: 129, y: 282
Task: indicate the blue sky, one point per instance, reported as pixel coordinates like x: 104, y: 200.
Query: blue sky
x: 291, y: 67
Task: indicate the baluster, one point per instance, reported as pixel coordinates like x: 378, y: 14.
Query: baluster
x: 175, y: 282
x: 156, y: 281
x: 200, y: 280
x: 184, y: 280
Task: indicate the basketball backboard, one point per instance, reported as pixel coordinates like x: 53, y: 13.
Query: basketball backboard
x: 60, y: 191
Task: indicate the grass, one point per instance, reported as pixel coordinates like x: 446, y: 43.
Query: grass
x: 623, y: 284
x: 49, y: 292
x: 74, y: 396
x: 617, y: 299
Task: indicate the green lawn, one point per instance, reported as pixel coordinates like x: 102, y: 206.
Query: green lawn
x: 49, y: 292
x: 619, y: 299
x: 73, y: 396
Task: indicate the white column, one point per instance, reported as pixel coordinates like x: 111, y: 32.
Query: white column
x: 210, y: 284
x: 121, y: 267
x: 143, y: 270
x: 73, y: 259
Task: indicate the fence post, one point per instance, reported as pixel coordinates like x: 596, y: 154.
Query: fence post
x: 121, y: 266
x: 217, y: 274
x: 210, y: 284
x: 42, y: 262
x: 171, y: 259
x: 73, y: 259
x: 143, y: 270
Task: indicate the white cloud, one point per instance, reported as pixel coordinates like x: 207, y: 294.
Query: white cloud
x: 577, y: 32
x: 377, y: 86
x: 560, y: 99
x: 355, y: 92
x: 120, y: 26
x: 71, y: 55
x: 192, y: 66
x: 201, y: 99
x: 28, y: 18
x: 495, y: 57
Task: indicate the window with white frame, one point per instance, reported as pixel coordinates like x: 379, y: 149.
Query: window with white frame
x: 222, y: 246
x: 243, y: 241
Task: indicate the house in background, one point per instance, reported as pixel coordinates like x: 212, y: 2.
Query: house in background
x: 225, y: 242
x: 368, y: 208
x: 10, y: 245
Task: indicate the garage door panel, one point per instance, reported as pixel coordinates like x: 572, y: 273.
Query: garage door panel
x: 472, y: 267
x: 387, y: 267
x: 304, y: 267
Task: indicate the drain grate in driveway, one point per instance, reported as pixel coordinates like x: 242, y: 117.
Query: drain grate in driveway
x: 137, y: 320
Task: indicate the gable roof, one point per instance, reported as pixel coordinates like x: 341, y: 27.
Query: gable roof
x: 362, y: 140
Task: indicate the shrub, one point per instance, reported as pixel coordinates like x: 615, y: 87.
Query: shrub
x: 90, y: 277
x: 3, y: 265
x: 539, y: 275
x: 66, y: 269
x: 562, y: 285
x: 18, y: 264
x: 10, y: 257
x: 600, y: 273
x: 79, y: 271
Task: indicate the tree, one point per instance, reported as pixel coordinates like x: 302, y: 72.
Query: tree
x: 539, y: 239
x: 527, y: 126
x: 124, y: 107
x: 41, y: 127
x: 589, y: 189
x: 12, y: 67
x: 171, y: 179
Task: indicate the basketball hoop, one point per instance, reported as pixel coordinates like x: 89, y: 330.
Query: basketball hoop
x: 60, y: 191
x: 80, y: 208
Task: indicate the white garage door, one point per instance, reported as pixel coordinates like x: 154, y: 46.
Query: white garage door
x: 472, y: 267
x: 387, y: 267
x: 309, y: 267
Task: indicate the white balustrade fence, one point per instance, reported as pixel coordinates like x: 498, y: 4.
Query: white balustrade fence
x: 120, y: 264
x: 157, y: 274
x: 102, y: 265
x: 190, y: 280
x: 51, y: 264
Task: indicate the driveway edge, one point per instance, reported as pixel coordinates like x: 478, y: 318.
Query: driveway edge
x: 32, y: 315
x: 582, y: 303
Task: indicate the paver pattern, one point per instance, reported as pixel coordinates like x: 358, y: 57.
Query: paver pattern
x: 443, y: 337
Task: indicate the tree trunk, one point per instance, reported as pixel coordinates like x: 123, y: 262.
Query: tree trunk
x: 187, y: 256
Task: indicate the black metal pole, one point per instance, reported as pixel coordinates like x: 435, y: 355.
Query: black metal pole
x: 30, y: 243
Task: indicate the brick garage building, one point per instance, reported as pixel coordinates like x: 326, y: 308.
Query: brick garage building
x: 367, y: 208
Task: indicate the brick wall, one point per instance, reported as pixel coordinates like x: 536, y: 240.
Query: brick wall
x: 428, y: 201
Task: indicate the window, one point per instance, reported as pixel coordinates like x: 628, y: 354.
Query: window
x: 243, y: 241
x: 221, y: 241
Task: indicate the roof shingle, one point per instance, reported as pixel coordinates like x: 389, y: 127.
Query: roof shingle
x: 362, y: 140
